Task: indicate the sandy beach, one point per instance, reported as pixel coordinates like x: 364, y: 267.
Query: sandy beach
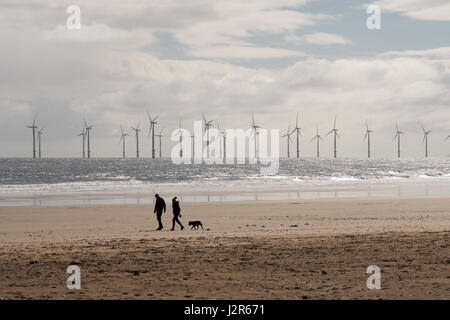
x: 255, y: 249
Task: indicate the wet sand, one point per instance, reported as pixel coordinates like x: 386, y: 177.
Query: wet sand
x: 260, y: 250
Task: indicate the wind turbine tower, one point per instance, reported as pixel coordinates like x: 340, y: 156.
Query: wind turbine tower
x: 122, y: 139
x: 136, y: 129
x: 207, y: 124
x: 297, y: 130
x: 40, y: 132
x: 88, y: 133
x: 83, y: 134
x: 368, y: 132
x: 255, y: 128
x: 160, y: 135
x: 397, y: 136
x: 152, y: 131
x: 222, y: 135
x: 33, y: 127
x: 336, y: 135
x: 180, y: 133
x: 425, y: 139
x: 288, y: 136
x: 317, y: 138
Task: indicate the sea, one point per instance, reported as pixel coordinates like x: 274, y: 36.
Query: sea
x: 64, y: 181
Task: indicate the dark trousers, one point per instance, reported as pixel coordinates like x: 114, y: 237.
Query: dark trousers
x: 158, y: 217
x: 175, y: 219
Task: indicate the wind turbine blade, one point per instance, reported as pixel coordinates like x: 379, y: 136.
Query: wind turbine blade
x: 139, y: 123
x: 204, y: 119
x: 155, y: 118
x: 334, y: 125
x: 395, y: 137
x: 150, y: 118
x: 367, y: 126
x: 423, y: 129
x: 296, y: 121
x: 253, y: 120
x: 365, y: 136
x: 34, y: 121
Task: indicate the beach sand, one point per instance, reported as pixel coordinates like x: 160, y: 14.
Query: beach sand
x: 248, y: 250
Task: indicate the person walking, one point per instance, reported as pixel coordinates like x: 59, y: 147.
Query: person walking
x: 160, y: 205
x: 176, y: 213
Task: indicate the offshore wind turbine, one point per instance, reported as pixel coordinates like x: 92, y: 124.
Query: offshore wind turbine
x: 88, y: 132
x: 180, y: 133
x: 33, y: 127
x: 368, y: 132
x: 136, y: 129
x: 160, y: 135
x: 207, y: 124
x: 425, y: 139
x: 222, y: 135
x: 39, y: 133
x: 317, y: 137
x: 297, y: 130
x: 255, y: 128
x: 83, y: 134
x: 397, y: 136
x: 288, y: 135
x: 152, y: 131
x: 193, y: 146
x: 336, y: 135
x: 122, y: 139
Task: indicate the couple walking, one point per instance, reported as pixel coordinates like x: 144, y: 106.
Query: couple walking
x: 160, y: 205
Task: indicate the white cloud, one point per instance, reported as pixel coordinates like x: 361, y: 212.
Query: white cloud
x: 440, y: 53
x: 99, y: 33
x: 242, y: 52
x: 435, y: 10
x: 318, y: 38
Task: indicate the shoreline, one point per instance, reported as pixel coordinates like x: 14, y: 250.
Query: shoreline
x: 399, y: 190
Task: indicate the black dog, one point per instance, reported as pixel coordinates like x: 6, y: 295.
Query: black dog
x: 195, y: 224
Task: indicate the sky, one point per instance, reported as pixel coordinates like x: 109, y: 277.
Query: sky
x: 226, y: 58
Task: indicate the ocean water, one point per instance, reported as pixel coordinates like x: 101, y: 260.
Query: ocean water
x: 36, y: 177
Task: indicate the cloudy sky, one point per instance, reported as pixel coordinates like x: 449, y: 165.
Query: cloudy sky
x: 225, y: 58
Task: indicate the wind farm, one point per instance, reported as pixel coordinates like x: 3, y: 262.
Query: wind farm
x: 297, y: 130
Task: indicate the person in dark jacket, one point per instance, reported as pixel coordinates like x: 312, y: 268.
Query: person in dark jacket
x: 160, y: 205
x: 176, y: 213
